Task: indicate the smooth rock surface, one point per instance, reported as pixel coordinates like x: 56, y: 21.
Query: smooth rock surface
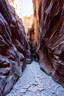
x: 35, y: 82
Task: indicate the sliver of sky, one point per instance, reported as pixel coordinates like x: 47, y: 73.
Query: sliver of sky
x: 26, y: 7
x: 23, y: 7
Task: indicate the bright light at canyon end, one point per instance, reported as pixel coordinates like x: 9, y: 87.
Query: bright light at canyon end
x: 22, y: 7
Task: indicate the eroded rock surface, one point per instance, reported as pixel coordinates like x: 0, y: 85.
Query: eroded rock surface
x: 49, y: 35
x: 13, y: 46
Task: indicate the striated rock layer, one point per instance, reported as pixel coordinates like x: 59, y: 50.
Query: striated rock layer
x: 49, y: 36
x: 13, y: 47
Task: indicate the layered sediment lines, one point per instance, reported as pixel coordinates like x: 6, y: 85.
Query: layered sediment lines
x: 49, y: 36
x: 13, y: 47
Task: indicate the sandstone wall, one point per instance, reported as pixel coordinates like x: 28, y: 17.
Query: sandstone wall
x: 49, y: 19
x: 13, y: 47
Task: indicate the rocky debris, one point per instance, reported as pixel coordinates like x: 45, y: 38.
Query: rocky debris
x: 49, y: 36
x: 13, y: 46
x: 35, y: 82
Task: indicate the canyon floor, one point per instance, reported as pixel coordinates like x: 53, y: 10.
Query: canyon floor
x: 34, y: 82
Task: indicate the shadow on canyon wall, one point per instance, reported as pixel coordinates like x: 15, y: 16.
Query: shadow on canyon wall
x: 46, y: 42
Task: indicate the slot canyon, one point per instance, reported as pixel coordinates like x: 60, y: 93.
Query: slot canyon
x: 32, y: 49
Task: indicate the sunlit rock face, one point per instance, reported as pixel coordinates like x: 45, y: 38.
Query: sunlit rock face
x: 49, y: 34
x: 10, y: 1
x: 17, y: 5
x: 13, y: 47
x: 28, y: 23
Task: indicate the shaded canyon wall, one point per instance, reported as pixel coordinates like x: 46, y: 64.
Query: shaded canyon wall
x: 49, y: 36
x: 13, y: 47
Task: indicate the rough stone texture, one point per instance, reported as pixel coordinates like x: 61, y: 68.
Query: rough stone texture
x: 35, y: 82
x: 13, y: 46
x: 49, y: 35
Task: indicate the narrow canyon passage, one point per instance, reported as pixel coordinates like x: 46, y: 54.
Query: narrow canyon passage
x: 32, y: 48
x: 35, y: 82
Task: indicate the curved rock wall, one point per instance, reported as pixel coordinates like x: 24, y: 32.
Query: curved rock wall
x: 49, y: 19
x: 13, y: 47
